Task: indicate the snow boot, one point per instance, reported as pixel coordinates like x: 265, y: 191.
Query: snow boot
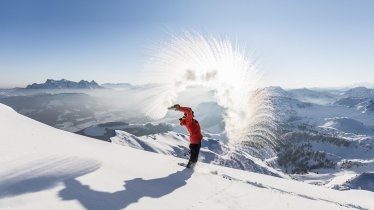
x: 190, y: 165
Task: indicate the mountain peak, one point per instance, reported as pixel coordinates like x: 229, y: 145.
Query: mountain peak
x: 359, y: 92
x: 65, y: 84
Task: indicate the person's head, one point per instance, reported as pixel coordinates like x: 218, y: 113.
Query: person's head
x: 182, y: 120
x: 193, y: 114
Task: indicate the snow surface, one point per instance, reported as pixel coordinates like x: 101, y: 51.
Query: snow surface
x: 46, y: 168
x: 212, y: 150
x: 347, y: 125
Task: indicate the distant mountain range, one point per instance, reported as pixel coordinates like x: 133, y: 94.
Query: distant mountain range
x: 65, y: 84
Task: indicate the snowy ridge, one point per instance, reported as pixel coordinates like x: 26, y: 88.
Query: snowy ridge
x: 212, y: 151
x: 347, y: 125
x: 46, y: 168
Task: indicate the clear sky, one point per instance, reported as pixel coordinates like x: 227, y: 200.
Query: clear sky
x: 297, y: 43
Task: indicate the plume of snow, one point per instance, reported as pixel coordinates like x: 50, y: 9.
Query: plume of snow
x: 218, y: 64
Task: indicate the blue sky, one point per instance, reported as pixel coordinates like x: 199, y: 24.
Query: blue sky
x: 296, y: 43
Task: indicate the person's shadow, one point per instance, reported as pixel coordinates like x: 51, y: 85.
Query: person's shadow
x: 134, y: 190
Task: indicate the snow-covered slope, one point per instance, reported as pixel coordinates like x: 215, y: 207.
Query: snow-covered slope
x: 311, y: 96
x: 212, y: 150
x: 347, y: 125
x: 46, y: 168
x: 326, y: 144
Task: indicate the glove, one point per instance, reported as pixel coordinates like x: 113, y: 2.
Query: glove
x: 175, y: 107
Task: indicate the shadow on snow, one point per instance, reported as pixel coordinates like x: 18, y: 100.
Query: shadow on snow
x: 134, y: 190
x: 43, y: 174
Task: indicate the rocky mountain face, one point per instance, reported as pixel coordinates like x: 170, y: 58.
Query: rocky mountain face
x: 65, y: 84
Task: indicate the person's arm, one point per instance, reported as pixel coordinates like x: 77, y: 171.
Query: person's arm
x: 188, y: 112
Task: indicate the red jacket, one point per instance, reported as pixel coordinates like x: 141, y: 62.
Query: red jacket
x: 192, y: 125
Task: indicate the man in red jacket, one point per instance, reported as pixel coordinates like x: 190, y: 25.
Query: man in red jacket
x: 194, y: 130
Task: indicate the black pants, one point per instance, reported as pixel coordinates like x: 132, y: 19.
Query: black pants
x: 194, y: 150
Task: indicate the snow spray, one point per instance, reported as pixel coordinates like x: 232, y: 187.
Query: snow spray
x: 217, y: 64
